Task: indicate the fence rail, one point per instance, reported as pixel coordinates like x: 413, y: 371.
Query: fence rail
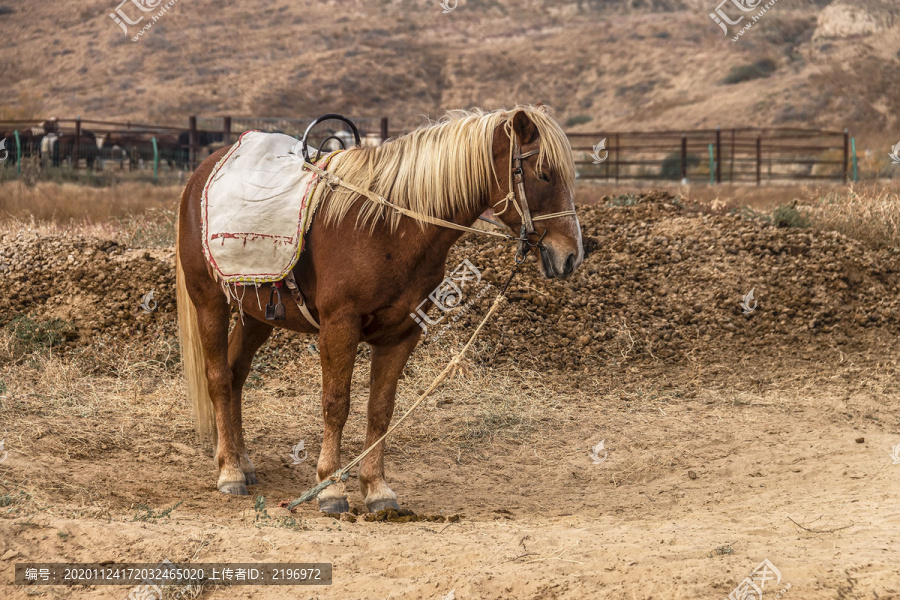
x: 738, y: 155
x: 745, y: 155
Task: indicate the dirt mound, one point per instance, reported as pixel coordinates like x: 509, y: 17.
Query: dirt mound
x: 667, y: 282
x: 659, y: 282
x: 89, y: 287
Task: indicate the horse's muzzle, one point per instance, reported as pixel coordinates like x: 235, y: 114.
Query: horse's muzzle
x: 559, y: 267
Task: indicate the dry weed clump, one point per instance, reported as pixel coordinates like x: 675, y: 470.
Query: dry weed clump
x: 870, y: 214
x: 143, y: 211
x: 54, y: 402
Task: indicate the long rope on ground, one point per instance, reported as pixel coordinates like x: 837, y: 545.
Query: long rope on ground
x: 343, y: 474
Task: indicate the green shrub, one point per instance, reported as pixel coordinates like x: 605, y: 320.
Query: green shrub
x: 763, y: 67
x: 671, y: 165
x: 30, y: 336
x: 576, y: 120
x: 787, y: 215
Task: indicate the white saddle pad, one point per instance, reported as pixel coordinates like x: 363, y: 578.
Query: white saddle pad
x: 256, y: 206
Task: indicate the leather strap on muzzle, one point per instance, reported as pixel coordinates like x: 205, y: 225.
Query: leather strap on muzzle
x: 520, y: 203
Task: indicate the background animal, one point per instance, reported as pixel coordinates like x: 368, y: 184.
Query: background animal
x: 137, y: 147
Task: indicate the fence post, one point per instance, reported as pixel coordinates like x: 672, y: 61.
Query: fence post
x: 712, y: 165
x: 155, y: 160
x: 18, y: 152
x: 855, y: 160
x: 192, y: 142
x: 758, y: 160
x: 384, y: 129
x: 731, y: 174
x: 846, y: 156
x: 718, y: 155
x: 77, y: 143
x: 226, y: 130
x: 617, y: 158
x: 683, y: 158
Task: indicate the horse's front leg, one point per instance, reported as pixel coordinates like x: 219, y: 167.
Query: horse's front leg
x: 338, y: 341
x: 387, y: 365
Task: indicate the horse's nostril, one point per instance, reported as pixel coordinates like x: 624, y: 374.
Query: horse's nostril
x: 570, y: 264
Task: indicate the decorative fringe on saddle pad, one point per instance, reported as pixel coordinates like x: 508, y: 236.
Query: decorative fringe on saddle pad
x: 256, y: 207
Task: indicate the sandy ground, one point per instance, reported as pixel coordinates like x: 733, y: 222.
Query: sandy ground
x: 792, y: 465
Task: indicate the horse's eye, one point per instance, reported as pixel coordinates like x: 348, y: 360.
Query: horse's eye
x: 543, y: 176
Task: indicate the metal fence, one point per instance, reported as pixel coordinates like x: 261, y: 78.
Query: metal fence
x: 125, y: 146
x: 717, y: 155
x: 745, y: 155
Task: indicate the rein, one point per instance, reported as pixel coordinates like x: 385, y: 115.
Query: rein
x: 343, y: 474
x: 520, y: 203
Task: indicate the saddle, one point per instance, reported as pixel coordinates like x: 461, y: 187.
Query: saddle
x: 256, y: 207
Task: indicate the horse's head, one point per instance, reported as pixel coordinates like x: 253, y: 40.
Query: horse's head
x: 531, y: 147
x: 50, y: 125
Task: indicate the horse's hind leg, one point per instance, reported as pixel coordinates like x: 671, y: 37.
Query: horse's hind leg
x: 213, y: 315
x: 387, y: 365
x: 246, y: 338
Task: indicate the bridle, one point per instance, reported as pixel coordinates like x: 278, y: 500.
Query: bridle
x: 516, y: 184
x: 517, y: 177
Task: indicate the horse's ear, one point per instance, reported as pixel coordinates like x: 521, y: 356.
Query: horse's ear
x: 524, y: 127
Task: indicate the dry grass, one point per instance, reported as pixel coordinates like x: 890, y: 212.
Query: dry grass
x: 868, y: 213
x: 765, y: 197
x: 134, y: 214
x: 113, y: 393
x: 69, y: 203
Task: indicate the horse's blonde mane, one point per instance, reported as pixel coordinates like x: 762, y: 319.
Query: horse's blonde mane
x: 439, y: 169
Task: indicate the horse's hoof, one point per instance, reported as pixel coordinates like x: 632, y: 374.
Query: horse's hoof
x: 233, y: 487
x: 382, y: 504
x: 334, y: 505
x: 250, y: 479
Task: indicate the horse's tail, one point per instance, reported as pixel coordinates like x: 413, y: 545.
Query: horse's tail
x: 193, y: 356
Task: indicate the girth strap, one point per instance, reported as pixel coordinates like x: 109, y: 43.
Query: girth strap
x: 297, y: 295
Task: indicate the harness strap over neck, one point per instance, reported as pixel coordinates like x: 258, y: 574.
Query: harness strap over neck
x: 332, y: 179
x: 516, y: 182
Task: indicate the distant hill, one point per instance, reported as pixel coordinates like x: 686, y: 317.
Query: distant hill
x: 605, y: 64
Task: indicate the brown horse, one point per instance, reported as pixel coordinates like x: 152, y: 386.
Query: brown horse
x: 366, y: 268
x: 139, y: 146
